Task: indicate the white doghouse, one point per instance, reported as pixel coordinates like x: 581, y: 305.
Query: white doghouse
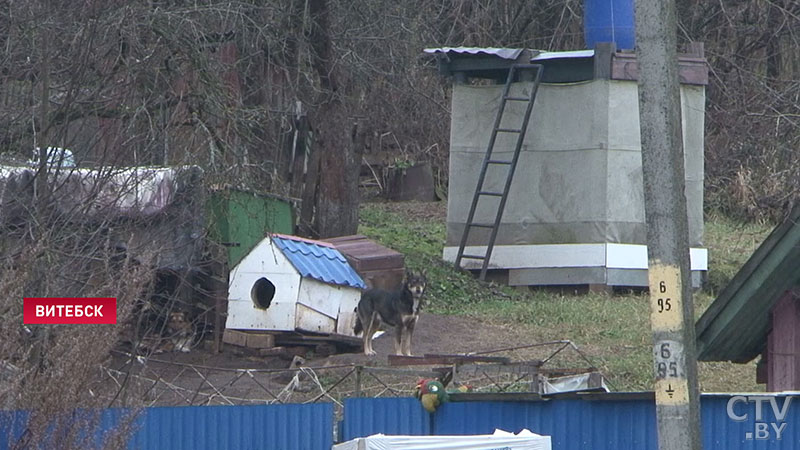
x: 288, y: 283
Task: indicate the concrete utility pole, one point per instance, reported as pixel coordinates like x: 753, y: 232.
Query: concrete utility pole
x: 671, y: 307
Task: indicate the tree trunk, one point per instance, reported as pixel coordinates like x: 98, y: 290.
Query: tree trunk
x: 337, y: 137
x: 341, y: 151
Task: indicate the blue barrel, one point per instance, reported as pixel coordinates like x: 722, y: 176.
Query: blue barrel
x: 609, y: 21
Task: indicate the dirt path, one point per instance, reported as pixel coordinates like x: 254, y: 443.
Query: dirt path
x: 438, y: 334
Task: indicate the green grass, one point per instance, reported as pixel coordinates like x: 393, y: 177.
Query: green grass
x: 422, y: 241
x: 730, y: 244
x: 614, y: 330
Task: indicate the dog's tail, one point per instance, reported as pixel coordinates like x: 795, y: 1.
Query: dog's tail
x: 358, y: 328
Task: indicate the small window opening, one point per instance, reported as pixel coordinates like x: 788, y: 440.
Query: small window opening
x: 262, y: 293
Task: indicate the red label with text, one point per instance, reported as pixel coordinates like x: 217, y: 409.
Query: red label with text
x: 69, y: 310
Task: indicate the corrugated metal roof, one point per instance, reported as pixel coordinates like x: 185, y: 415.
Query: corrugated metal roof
x: 564, y: 55
x: 736, y: 324
x: 318, y: 260
x: 511, y: 53
x: 505, y: 53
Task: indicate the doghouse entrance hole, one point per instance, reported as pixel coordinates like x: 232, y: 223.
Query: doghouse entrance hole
x: 262, y: 293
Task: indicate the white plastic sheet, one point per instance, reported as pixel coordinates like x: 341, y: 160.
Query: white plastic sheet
x: 500, y: 440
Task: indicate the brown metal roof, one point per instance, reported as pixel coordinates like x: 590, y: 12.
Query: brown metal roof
x: 379, y: 266
x: 366, y: 255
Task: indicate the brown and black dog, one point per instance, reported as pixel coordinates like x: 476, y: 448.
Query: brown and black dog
x: 399, y: 309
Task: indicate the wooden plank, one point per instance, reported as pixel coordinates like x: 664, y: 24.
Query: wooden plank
x: 248, y: 339
x: 561, y: 372
x: 602, y: 60
x: 370, y: 254
x: 497, y: 369
x: 260, y: 340
x: 399, y: 360
x: 390, y: 371
x: 691, y: 69
x: 495, y: 397
x: 591, y: 396
x: 352, y: 237
x: 696, y: 49
x: 314, y: 339
x: 471, y: 358
x: 235, y: 337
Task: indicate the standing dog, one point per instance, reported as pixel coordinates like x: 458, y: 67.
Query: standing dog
x: 399, y: 309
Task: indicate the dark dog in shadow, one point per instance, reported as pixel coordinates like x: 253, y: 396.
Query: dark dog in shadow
x: 398, y: 309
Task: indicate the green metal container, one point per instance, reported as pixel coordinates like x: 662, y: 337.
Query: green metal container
x: 240, y: 219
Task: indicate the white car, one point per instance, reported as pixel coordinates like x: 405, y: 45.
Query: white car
x: 56, y: 156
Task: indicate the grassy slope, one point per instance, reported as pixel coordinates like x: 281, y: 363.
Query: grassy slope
x: 612, y: 329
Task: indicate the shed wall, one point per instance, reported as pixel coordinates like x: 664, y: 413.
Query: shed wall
x: 579, y: 176
x: 242, y: 219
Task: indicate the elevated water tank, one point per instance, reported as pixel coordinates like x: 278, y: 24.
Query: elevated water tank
x: 609, y: 21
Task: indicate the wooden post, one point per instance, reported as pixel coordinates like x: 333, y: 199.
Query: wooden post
x: 671, y: 307
x: 358, y: 381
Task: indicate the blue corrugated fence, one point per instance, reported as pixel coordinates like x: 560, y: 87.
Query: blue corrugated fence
x: 368, y: 416
x: 607, y: 422
x: 571, y: 423
x: 600, y: 423
x: 307, y: 427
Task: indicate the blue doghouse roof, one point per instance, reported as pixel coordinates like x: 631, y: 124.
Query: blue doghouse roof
x: 318, y: 260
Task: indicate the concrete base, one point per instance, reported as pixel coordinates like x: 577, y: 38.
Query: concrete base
x: 610, y: 264
x: 592, y: 276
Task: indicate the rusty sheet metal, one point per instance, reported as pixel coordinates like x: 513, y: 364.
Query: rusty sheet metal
x: 504, y: 53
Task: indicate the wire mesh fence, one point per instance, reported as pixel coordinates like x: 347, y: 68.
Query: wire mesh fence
x: 154, y: 381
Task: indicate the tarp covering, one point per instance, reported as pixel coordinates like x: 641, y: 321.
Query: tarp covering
x: 137, y: 191
x: 146, y: 209
x: 579, y: 176
x: 524, y: 440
